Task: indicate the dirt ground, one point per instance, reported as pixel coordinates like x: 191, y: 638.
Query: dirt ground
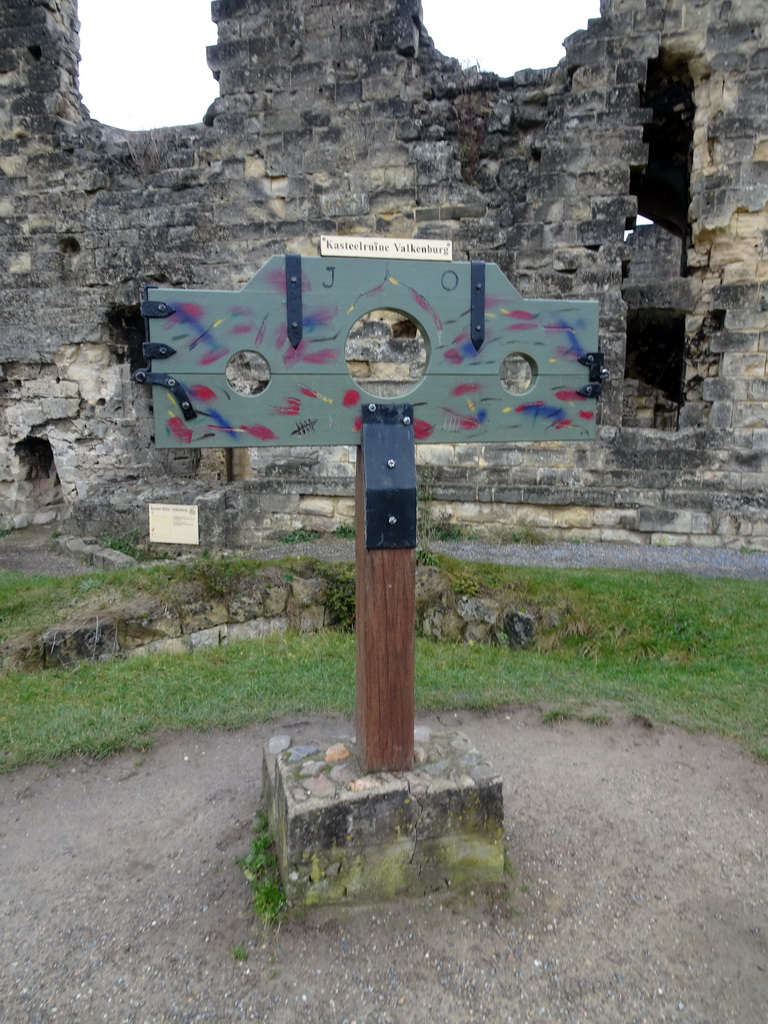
x: 638, y: 892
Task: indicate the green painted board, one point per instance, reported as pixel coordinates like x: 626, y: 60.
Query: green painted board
x: 310, y: 397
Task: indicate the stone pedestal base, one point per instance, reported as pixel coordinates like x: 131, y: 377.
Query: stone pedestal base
x: 342, y: 835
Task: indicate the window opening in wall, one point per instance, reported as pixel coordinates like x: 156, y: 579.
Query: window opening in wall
x: 386, y: 353
x: 144, y: 63
x: 653, y: 280
x: 125, y: 325
x: 38, y: 487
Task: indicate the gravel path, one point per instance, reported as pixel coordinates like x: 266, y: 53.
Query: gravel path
x: 639, y: 890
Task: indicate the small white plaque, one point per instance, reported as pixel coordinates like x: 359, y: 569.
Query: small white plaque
x: 386, y: 248
x: 173, y: 524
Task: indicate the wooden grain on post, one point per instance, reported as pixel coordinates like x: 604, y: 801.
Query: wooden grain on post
x: 385, y: 618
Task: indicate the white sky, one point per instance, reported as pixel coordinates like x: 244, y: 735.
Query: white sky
x: 143, y: 61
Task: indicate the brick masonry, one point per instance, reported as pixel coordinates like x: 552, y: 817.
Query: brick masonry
x: 343, y: 118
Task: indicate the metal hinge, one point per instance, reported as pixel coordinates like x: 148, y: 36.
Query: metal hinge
x: 166, y: 381
x: 154, y: 309
x: 154, y: 350
x: 594, y: 360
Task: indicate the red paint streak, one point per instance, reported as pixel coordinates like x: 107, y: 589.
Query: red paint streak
x: 528, y: 405
x: 192, y: 309
x: 465, y: 389
x: 563, y: 423
x: 358, y: 424
x: 421, y: 301
x: 521, y: 314
x: 317, y: 357
x: 526, y: 326
x: 241, y: 329
x: 212, y: 357
x: 276, y: 281
x: 203, y: 392
x: 307, y: 391
x: 351, y: 397
x: 422, y: 429
x: 281, y: 337
x: 263, y: 433
x: 179, y: 429
x: 586, y: 415
x: 570, y: 396
x: 452, y: 356
x: 291, y: 407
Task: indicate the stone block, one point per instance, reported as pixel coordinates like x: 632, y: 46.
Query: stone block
x: 256, y: 629
x: 657, y: 520
x: 168, y: 645
x: 344, y: 836
x: 213, y: 637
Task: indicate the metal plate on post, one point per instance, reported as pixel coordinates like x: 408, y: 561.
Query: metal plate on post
x: 389, y: 461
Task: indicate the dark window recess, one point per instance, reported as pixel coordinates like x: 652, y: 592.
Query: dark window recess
x: 654, y: 368
x: 36, y: 457
x: 662, y: 187
x: 126, y: 335
x: 38, y: 485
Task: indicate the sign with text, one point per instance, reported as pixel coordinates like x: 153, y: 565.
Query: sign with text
x: 173, y: 524
x: 386, y: 248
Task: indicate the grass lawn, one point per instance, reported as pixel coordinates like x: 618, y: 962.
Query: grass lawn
x: 673, y: 648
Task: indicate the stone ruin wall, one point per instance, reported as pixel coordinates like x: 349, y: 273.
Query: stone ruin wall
x: 343, y: 118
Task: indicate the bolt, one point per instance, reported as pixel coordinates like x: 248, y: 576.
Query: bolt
x: 392, y: 520
x: 479, y: 287
x: 407, y: 421
x: 161, y: 307
x: 294, y: 280
x: 391, y: 463
x: 371, y: 407
x: 171, y: 382
x: 478, y: 327
x: 163, y: 350
x: 185, y: 405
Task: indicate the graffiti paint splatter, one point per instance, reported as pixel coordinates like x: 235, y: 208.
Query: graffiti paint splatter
x: 574, y: 348
x: 570, y: 396
x: 548, y: 412
x: 315, y: 357
x: 291, y: 407
x: 214, y: 356
x: 179, y: 429
x: 263, y: 433
x: 460, y: 421
x: 203, y: 393
x: 311, y: 393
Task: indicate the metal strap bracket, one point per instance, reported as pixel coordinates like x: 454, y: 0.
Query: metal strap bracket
x: 164, y: 381
x: 293, y: 307
x: 477, y: 304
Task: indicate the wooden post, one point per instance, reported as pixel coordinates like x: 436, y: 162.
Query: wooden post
x: 385, y: 617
